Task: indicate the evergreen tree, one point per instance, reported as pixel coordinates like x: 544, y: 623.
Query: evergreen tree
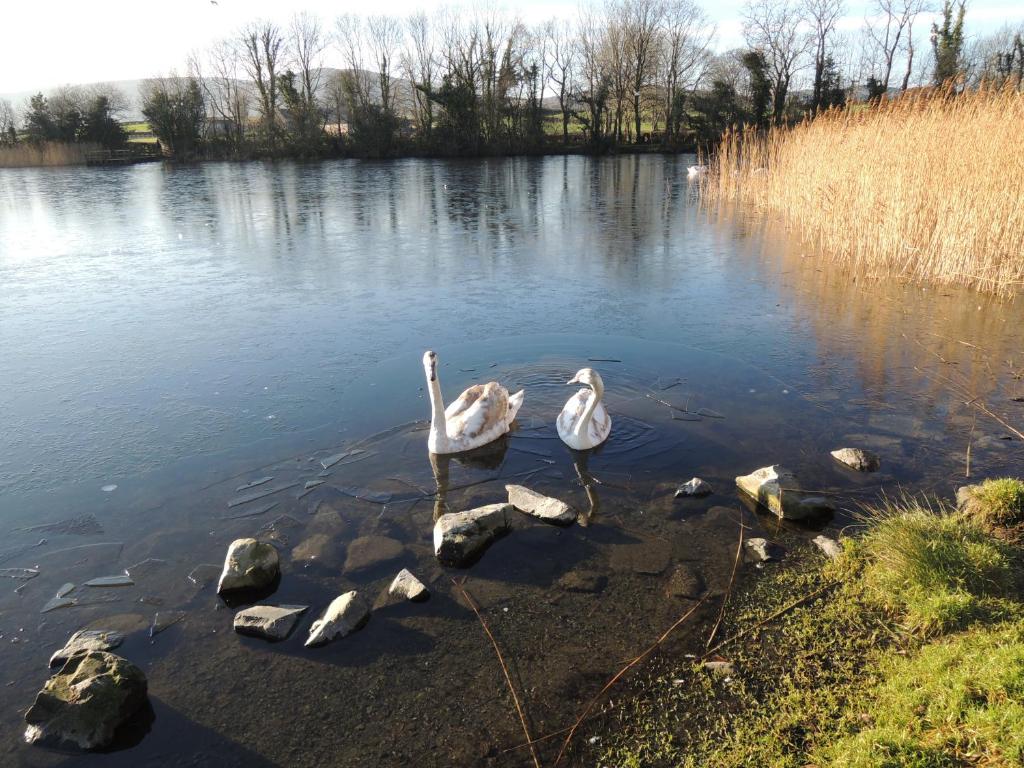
x: 948, y: 43
x: 39, y: 122
x: 100, y: 127
x: 760, y: 86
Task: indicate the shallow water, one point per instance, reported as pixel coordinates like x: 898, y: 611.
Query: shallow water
x: 171, y: 336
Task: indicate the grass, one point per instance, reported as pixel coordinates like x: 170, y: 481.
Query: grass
x: 869, y: 675
x: 925, y: 186
x: 26, y: 155
x: 996, y: 502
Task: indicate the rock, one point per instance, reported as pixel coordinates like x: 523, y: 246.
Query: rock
x: 858, y: 459
x: 765, y: 550
x: 695, y: 487
x: 320, y: 547
x: 542, y: 507
x: 685, y: 582
x: 369, y: 551
x: 58, y: 602
x: 250, y: 564
x: 830, y: 547
x: 85, y: 641
x: 583, y: 581
x: 460, y: 537
x: 723, y: 668
x: 271, y: 622
x: 649, y: 557
x: 964, y: 494
x: 408, y: 586
x: 121, y: 580
x: 346, y: 614
x: 778, y: 489
x: 86, y: 701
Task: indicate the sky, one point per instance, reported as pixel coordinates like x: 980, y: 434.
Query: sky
x: 46, y: 44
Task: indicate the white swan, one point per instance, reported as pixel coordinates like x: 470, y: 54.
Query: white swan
x: 696, y: 170
x: 483, y: 413
x: 583, y: 422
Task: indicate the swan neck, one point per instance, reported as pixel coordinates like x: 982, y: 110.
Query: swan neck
x: 588, y: 413
x: 438, y: 425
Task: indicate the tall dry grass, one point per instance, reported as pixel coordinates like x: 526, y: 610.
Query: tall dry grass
x: 26, y: 155
x: 927, y: 186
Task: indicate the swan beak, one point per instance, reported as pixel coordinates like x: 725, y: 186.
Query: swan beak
x: 573, y: 380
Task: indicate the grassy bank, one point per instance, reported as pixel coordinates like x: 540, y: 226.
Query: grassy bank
x: 909, y: 652
x: 926, y: 186
x: 27, y: 155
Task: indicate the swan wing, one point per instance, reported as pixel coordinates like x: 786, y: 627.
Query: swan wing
x: 478, y: 411
x: 600, y: 425
x: 515, y: 402
x: 572, y: 412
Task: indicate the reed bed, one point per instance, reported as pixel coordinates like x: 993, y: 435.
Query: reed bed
x: 47, y: 154
x: 929, y: 186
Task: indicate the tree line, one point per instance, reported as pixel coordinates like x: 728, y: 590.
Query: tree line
x: 456, y: 83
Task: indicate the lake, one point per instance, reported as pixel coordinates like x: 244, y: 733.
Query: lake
x: 170, y: 336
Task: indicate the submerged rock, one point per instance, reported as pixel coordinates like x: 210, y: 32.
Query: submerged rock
x: 777, y: 489
x: 685, y: 582
x: 408, y: 586
x: 320, y: 548
x: 346, y: 614
x: 369, y: 551
x: 85, y: 641
x: 542, y: 507
x: 583, y: 580
x: 858, y: 459
x: 86, y: 701
x: 272, y: 622
x: 120, y: 580
x: 830, y: 547
x: 765, y: 550
x: 695, y: 487
x: 460, y: 537
x: 250, y: 564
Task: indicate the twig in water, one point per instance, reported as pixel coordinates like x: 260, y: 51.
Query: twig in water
x: 619, y: 674
x: 602, y: 360
x: 767, y: 620
x: 522, y: 718
x: 970, y: 437
x: 728, y: 591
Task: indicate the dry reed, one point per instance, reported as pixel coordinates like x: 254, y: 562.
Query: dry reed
x: 928, y: 186
x: 27, y: 155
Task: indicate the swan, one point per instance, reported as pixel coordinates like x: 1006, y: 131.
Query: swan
x: 482, y: 414
x: 696, y: 170
x: 583, y: 422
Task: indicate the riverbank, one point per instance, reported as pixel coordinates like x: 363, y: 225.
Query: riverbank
x: 905, y: 649
x: 922, y: 186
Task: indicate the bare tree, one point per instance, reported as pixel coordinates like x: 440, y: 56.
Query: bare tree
x: 889, y: 26
x: 643, y: 22
x: 308, y: 43
x: 776, y: 29
x: 562, y: 53
x: 350, y: 37
x: 384, y: 35
x: 823, y: 15
x: 227, y: 97
x: 8, y: 123
x: 685, y: 55
x: 263, y: 47
x: 419, y: 63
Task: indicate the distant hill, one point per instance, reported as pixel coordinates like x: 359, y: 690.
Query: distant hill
x: 130, y: 88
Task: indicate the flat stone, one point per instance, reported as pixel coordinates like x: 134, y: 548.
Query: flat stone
x: 778, y: 490
x: 370, y: 551
x: 830, y: 547
x: 460, y: 537
x: 685, y: 582
x: 721, y: 668
x: 765, y: 550
x: 320, y: 547
x: 544, y: 508
x: 695, y: 487
x: 22, y: 574
x: 858, y: 459
x: 271, y: 622
x: 249, y: 564
x: 649, y: 557
x: 346, y: 614
x: 408, y: 586
x: 86, y: 641
x: 58, y: 602
x: 582, y: 580
x: 121, y: 580
x: 86, y: 701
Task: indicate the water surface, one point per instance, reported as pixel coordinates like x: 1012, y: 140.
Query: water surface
x: 182, y: 332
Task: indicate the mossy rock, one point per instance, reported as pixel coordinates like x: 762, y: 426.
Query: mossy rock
x: 85, y: 703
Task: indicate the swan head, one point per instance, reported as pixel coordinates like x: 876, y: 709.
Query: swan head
x: 430, y: 364
x: 590, y: 378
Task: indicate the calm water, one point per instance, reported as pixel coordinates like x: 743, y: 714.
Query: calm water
x: 178, y: 333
